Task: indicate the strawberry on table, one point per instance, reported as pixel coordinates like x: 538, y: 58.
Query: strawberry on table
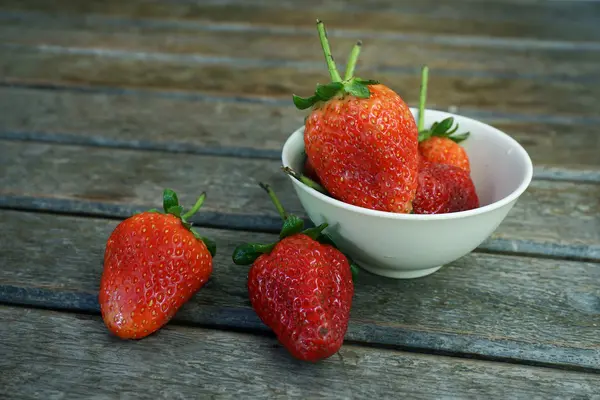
x: 301, y: 287
x: 154, y: 262
x: 439, y: 143
x: 361, y: 139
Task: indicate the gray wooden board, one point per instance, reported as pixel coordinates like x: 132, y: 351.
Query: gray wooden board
x: 379, y: 52
x: 163, y: 71
x: 550, y: 218
x: 48, y: 354
x: 220, y: 127
x: 554, y: 21
x: 521, y: 309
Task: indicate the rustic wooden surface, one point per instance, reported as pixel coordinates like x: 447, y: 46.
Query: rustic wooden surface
x: 42, y: 347
x: 507, y: 311
x: 105, y: 103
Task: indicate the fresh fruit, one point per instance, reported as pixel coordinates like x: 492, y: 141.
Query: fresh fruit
x: 300, y: 287
x: 361, y: 139
x: 439, y: 144
x: 309, y: 171
x: 154, y: 262
x: 444, y: 188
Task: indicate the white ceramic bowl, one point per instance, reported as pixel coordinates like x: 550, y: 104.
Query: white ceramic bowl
x: 410, y: 245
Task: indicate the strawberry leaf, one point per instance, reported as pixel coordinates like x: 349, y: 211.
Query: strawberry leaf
x: 315, y: 232
x: 367, y: 82
x: 357, y: 89
x: 169, y: 199
x: 246, y: 254
x: 326, y: 92
x: 291, y: 226
x: 302, y: 103
x: 175, y: 210
x: 210, y: 244
x: 443, y: 127
x: 461, y: 137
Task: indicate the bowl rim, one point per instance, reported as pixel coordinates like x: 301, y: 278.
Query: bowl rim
x: 506, y: 200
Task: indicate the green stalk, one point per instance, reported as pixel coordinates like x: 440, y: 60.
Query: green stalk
x: 352, y: 60
x: 196, y: 207
x: 333, y: 72
x: 275, y: 200
x: 423, y: 97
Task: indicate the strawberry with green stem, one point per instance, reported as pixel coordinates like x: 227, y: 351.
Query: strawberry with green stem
x: 439, y: 143
x: 361, y: 139
x: 154, y: 262
x: 300, y: 287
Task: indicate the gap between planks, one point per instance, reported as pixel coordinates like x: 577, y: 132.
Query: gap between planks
x: 197, y: 96
x: 268, y: 224
x: 541, y: 172
x: 446, y: 39
x: 245, y: 320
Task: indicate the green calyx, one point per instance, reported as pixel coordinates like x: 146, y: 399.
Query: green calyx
x: 439, y: 129
x: 171, y: 206
x: 337, y: 88
x: 246, y: 254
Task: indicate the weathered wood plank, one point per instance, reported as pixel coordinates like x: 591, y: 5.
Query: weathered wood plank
x: 490, y: 306
x: 97, y: 66
x: 556, y: 218
x: 554, y: 21
x: 237, y: 128
x: 51, y: 355
x: 379, y: 53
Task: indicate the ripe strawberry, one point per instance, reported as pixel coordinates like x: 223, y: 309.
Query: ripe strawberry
x: 153, y: 264
x: 361, y: 139
x: 438, y: 144
x: 444, y: 188
x: 309, y: 171
x: 301, y: 287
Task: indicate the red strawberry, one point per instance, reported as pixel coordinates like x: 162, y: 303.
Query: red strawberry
x: 444, y: 189
x: 438, y: 144
x: 301, y: 287
x: 361, y: 139
x: 153, y: 264
x: 309, y: 171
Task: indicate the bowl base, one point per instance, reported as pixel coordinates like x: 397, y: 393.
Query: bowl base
x: 389, y: 273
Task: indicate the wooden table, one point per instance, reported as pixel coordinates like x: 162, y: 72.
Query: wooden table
x: 104, y: 104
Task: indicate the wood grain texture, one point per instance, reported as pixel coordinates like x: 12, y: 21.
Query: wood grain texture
x: 555, y: 21
x: 210, y: 126
x: 484, y: 305
x: 116, y: 68
x: 552, y: 218
x: 379, y: 52
x: 41, y: 348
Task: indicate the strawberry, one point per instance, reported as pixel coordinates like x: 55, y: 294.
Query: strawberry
x: 300, y: 287
x: 438, y: 144
x: 309, y: 171
x: 444, y: 188
x: 361, y: 139
x: 153, y: 264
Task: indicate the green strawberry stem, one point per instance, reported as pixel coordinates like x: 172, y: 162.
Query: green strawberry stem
x: 423, y: 97
x: 352, y: 60
x: 337, y: 88
x: 275, y: 200
x: 333, y: 72
x: 304, y: 179
x: 196, y: 207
